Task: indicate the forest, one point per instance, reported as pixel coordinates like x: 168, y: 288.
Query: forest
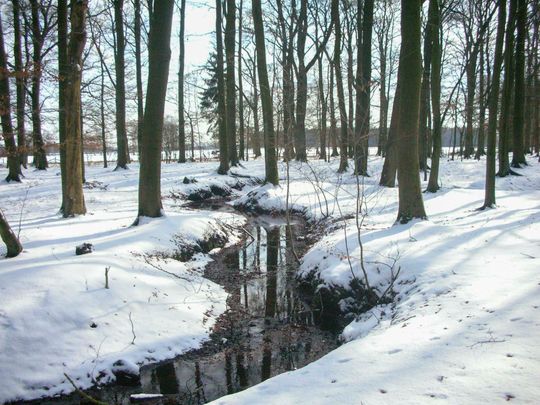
x: 272, y: 202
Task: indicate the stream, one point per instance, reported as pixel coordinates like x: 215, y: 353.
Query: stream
x: 269, y: 327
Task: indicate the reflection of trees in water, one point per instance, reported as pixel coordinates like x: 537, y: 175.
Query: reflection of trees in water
x: 166, y: 379
x: 272, y: 249
x: 268, y: 329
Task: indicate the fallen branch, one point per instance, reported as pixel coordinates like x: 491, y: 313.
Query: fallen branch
x: 84, y: 394
x: 132, y: 329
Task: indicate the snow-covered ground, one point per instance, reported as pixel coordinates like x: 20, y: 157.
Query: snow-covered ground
x: 56, y: 316
x: 463, y: 328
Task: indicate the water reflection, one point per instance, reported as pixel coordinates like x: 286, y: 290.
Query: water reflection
x: 266, y: 331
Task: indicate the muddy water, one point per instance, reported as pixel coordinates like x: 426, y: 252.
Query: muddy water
x: 268, y: 328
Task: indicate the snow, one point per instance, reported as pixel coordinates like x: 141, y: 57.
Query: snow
x: 465, y: 324
x: 55, y: 314
x: 462, y: 328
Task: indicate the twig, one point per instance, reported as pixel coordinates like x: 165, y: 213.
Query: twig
x: 132, y: 329
x: 21, y: 214
x: 147, y: 261
x: 490, y: 340
x: 84, y: 394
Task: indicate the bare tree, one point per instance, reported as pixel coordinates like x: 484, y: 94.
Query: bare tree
x: 159, y: 56
x: 343, y: 162
x: 411, y: 204
x: 181, y: 57
x: 20, y: 80
x: 14, y: 166
x: 74, y: 198
x: 270, y: 157
x: 489, y: 196
x: 11, y: 241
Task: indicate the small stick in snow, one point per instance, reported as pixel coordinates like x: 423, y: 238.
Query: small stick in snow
x: 107, y: 277
x: 132, y: 329
x: 84, y: 394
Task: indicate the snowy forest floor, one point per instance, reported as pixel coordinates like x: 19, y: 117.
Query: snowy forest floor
x: 463, y: 328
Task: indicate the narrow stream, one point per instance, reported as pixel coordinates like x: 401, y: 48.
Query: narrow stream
x: 267, y: 329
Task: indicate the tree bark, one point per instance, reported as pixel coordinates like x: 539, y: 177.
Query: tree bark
x: 63, y: 68
x: 138, y: 72
x: 270, y: 157
x: 13, y: 244
x: 159, y: 56
x: 508, y: 85
x: 222, y: 110
x: 301, y: 85
x: 324, y: 110
x: 481, y: 146
x: 102, y: 116
x: 256, y: 138
x: 435, y: 20
x: 40, y: 157
x: 288, y: 86
x: 425, y: 110
x: 343, y: 162
x: 389, y: 171
x: 242, y: 130
x: 120, y: 88
x: 230, y: 28
x: 363, y: 89
x: 14, y: 167
x: 489, y: 195
x: 411, y: 204
x: 181, y: 57
x: 333, y: 119
x: 518, y: 155
x: 20, y: 80
x: 74, y: 198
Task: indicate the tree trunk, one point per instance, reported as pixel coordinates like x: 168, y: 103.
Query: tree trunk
x: 411, y: 204
x: 508, y: 84
x: 333, y: 120
x: 138, y: 72
x: 40, y: 157
x: 324, y: 109
x: 343, y: 162
x: 425, y: 110
x: 352, y: 130
x: 480, y: 148
x: 364, y: 90
x: 301, y: 86
x: 13, y: 244
x: 288, y: 86
x: 230, y: 28
x: 74, y: 198
x: 222, y: 111
x: 270, y: 157
x: 181, y: 57
x: 102, y: 116
x: 389, y: 171
x: 489, y: 196
x: 518, y: 155
x: 120, y: 88
x: 383, y: 109
x: 434, y: 20
x: 256, y: 138
x: 242, y: 130
x: 20, y: 74
x: 159, y: 56
x: 469, y: 108
x: 14, y: 167
x: 63, y: 70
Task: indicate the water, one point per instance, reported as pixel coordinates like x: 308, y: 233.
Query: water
x: 268, y: 328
